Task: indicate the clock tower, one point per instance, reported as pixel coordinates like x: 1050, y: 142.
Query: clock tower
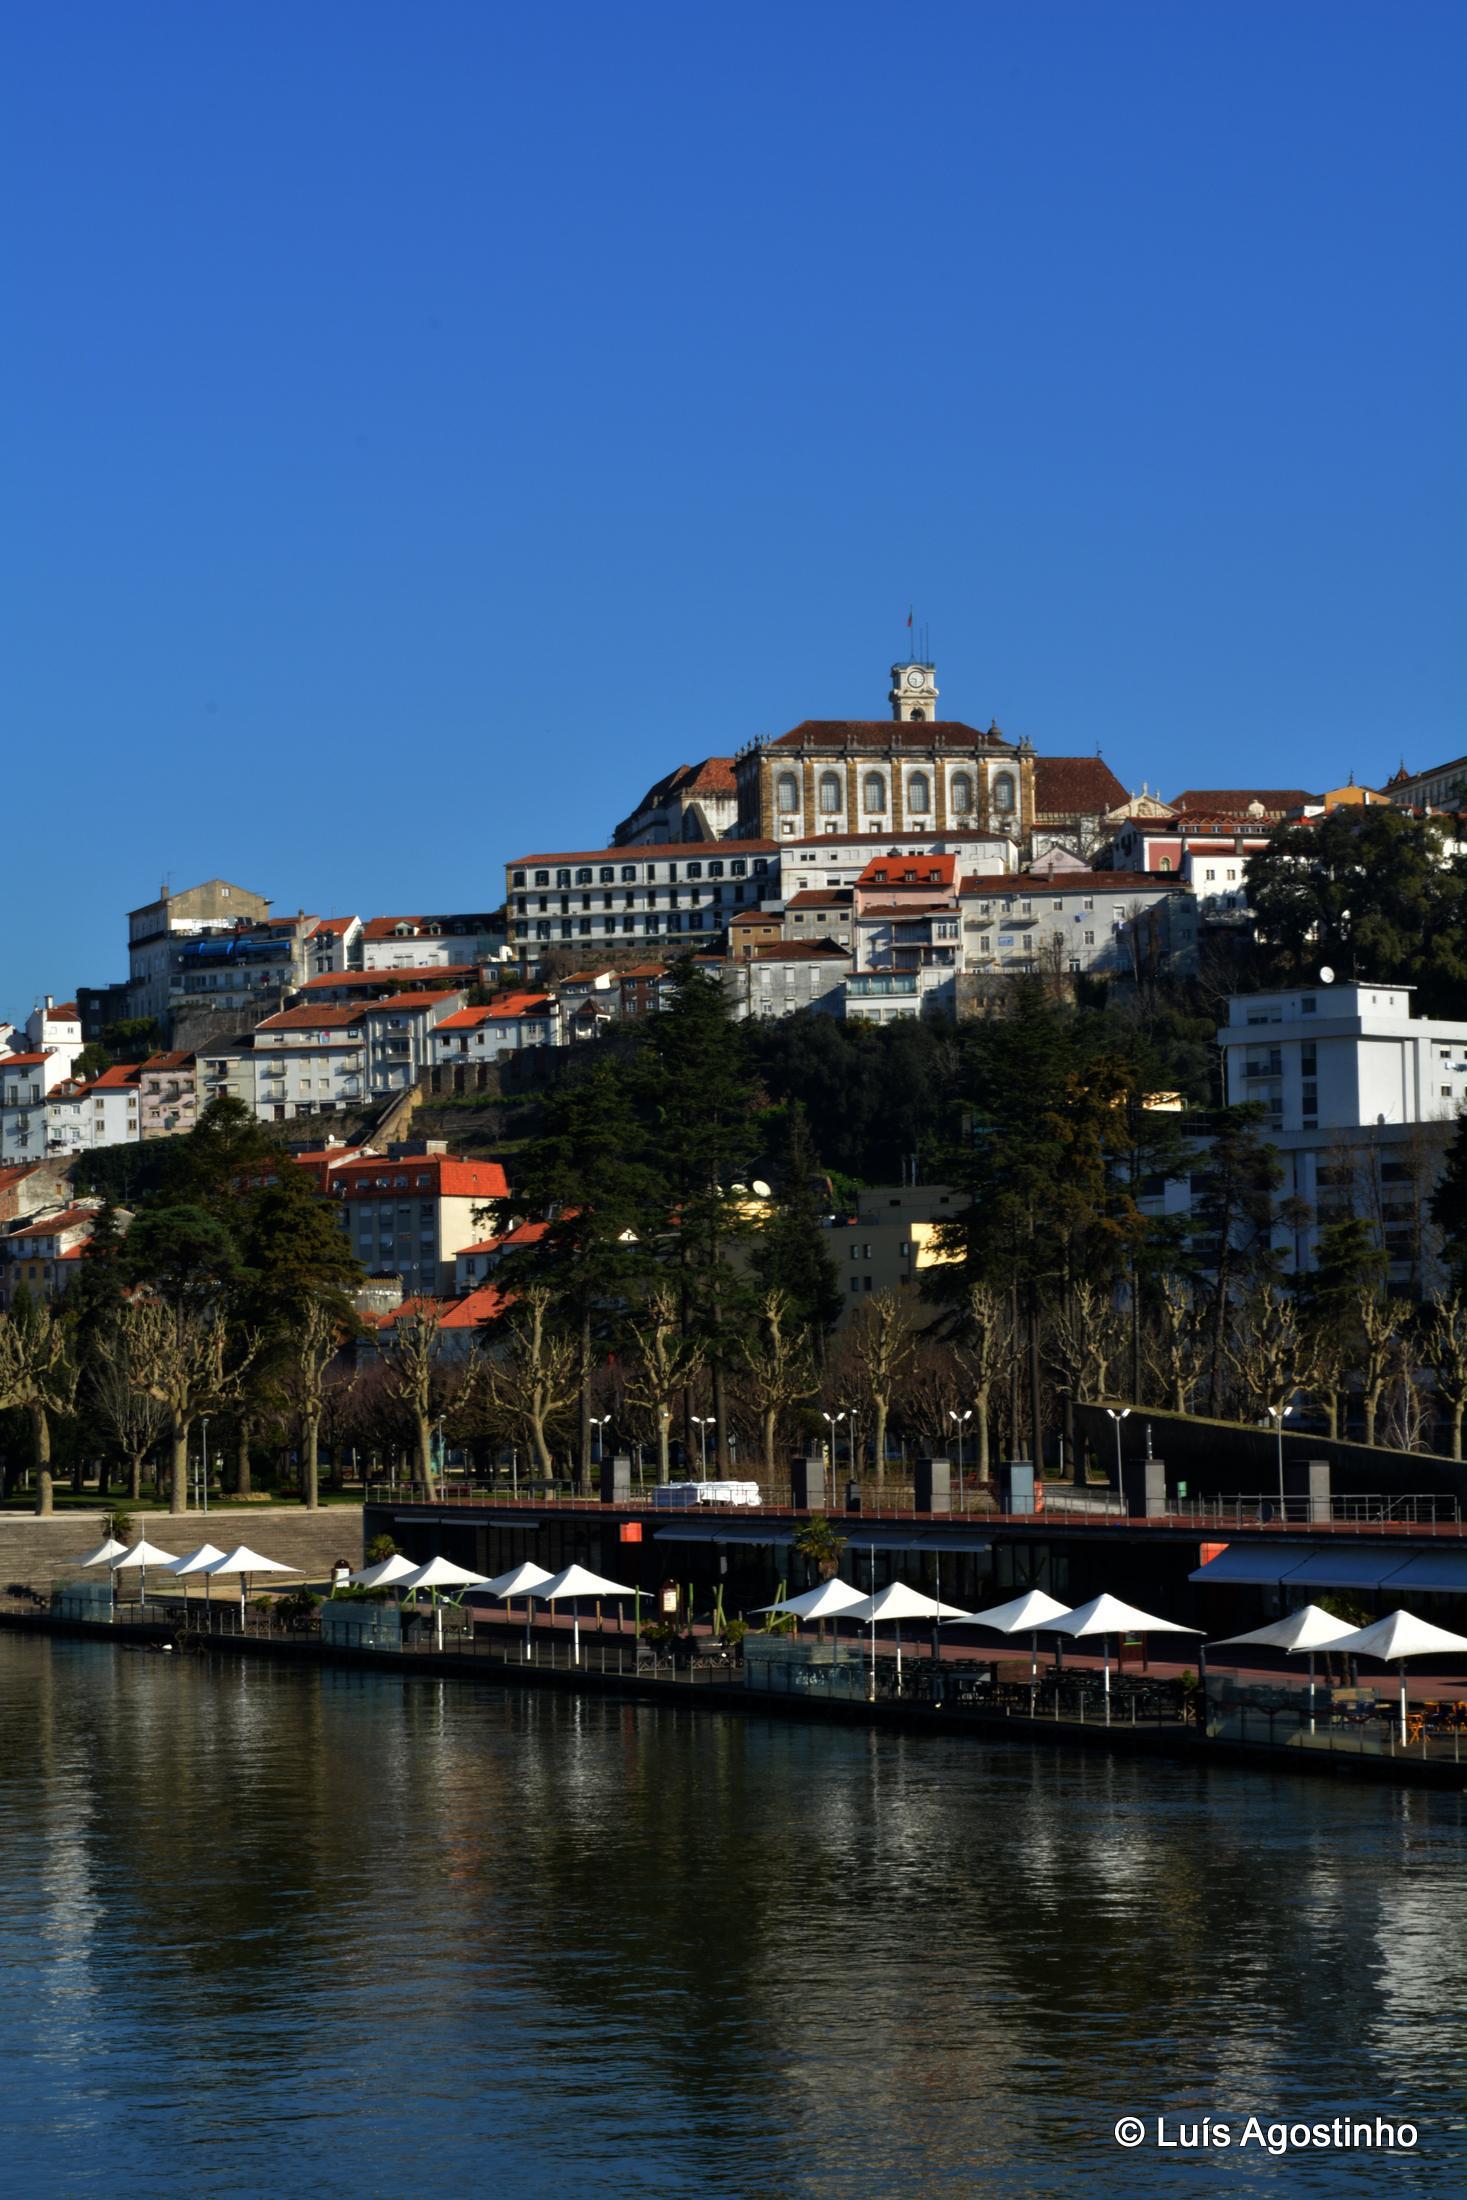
x: 914, y: 692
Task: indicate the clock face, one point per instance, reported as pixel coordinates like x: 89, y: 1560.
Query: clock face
x: 916, y: 679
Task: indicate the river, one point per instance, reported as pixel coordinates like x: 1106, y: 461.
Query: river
x: 268, y: 1932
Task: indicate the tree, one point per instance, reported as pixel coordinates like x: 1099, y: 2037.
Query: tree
x: 132, y: 1423
x: 294, y: 1294
x: 585, y: 1172
x: 38, y: 1375
x: 1176, y: 1345
x: 882, y: 1344
x: 182, y: 1253
x: 1269, y: 1351
x: 1368, y: 891
x: 535, y: 1375
x: 791, y: 1254
x: 818, y: 1544
x: 1379, y: 1320
x: 778, y: 1360
x: 316, y: 1343
x: 985, y: 1354
x: 413, y: 1351
x: 182, y: 1356
x: 665, y: 1363
x: 1233, y: 1217
x: 1444, y: 1347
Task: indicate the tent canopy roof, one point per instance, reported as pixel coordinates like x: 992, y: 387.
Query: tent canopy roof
x: 242, y: 1560
x: 441, y: 1573
x: 1401, y: 1635
x: 899, y: 1601
x: 518, y: 1581
x: 1023, y: 1615
x: 825, y: 1601
x: 142, y: 1553
x: 579, y: 1581
x: 1307, y: 1629
x: 1107, y: 1615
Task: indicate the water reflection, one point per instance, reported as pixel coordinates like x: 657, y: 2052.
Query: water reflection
x: 270, y: 1928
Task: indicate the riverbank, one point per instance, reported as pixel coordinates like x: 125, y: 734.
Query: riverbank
x: 42, y: 1551
x: 1169, y: 1741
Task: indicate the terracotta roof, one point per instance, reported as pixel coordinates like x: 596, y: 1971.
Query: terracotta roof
x: 1234, y: 801
x: 312, y: 1019
x: 822, y: 897
x: 643, y: 970
x: 451, y: 1177
x: 123, y: 1073
x: 886, y: 733
x: 512, y: 1004
x: 477, y: 1306
x: 715, y: 775
x: 1072, y: 882
x: 410, y: 1004
x: 752, y: 916
x: 362, y: 981
x: 910, y: 871
x: 25, y: 1061
x: 70, y: 1218
x: 1075, y: 786
x: 669, y: 851
x: 160, y: 1062
x: 523, y: 1233
x: 801, y: 951
x: 63, y: 1012
x: 450, y: 926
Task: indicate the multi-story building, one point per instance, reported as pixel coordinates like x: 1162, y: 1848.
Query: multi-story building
x: 1335, y: 1057
x: 786, y: 976
x: 1164, y: 844
x: 83, y: 1116
x: 410, y: 1212
x: 428, y: 943
x: 1065, y: 923
x: 646, y: 988
x: 399, y: 1036
x: 499, y: 1028
x: 348, y: 988
x: 695, y: 802
x: 1077, y: 802
x: 1440, y: 787
x: 154, y: 930
x: 894, y: 996
x: 309, y: 1061
x: 911, y: 772
x: 167, y: 1095
x: 25, y: 1081
x: 821, y: 913
x: 624, y: 897
x: 42, y: 1253
x: 55, y: 1028
x: 30, y: 1187
x: 906, y: 914
x: 831, y: 863
x: 247, y: 972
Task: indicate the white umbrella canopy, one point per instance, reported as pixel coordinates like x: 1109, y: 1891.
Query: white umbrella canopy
x: 519, y: 1581
x: 141, y: 1555
x: 1401, y: 1635
x: 197, y: 1562
x: 898, y: 1601
x: 828, y: 1601
x: 441, y: 1573
x: 387, y: 1572
x: 1022, y: 1615
x: 1025, y: 1615
x: 1309, y: 1628
x: 244, y: 1562
x: 575, y: 1582
x: 103, y: 1555
x: 1105, y: 1616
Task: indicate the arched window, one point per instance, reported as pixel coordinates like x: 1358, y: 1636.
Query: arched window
x: 919, y: 794
x: 1165, y: 864
x: 1003, y: 791
x: 962, y: 788
x: 874, y: 795
x: 788, y: 792
x: 829, y: 793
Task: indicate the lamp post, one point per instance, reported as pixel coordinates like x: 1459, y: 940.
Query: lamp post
x: 1278, y: 1415
x: 832, y: 1422
x: 1117, y: 1417
x: 600, y: 1422
x: 962, y: 1420
x: 204, y: 1418
x: 704, y: 1422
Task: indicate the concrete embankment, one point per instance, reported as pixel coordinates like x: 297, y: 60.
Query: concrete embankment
x: 1175, y: 1744
x: 41, y: 1553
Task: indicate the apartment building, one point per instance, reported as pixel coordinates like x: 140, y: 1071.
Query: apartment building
x: 410, y: 1212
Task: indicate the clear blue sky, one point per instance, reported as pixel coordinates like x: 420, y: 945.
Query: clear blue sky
x: 424, y: 426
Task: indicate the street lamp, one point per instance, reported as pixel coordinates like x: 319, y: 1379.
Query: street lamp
x: 1278, y: 1415
x: 1117, y: 1418
x: 205, y: 1420
x: 832, y: 1422
x: 599, y: 1422
x: 704, y: 1421
x: 962, y: 1420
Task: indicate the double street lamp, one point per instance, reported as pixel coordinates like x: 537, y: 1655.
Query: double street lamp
x: 600, y: 1422
x: 1118, y: 1414
x: 962, y: 1420
x: 704, y: 1421
x: 1278, y: 1415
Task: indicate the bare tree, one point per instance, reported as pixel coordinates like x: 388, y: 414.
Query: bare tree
x: 882, y: 1343
x: 1268, y: 1351
x: 412, y: 1364
x: 666, y: 1363
x: 538, y: 1375
x: 984, y: 1357
x: 37, y: 1374
x: 1445, y: 1349
x: 134, y: 1422
x: 313, y: 1346
x: 1176, y: 1346
x: 180, y: 1357
x: 1380, y: 1321
x: 779, y: 1366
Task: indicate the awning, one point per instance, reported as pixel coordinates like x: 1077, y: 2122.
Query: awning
x: 1266, y: 1563
x: 723, y: 1531
x: 1444, y: 1571
x: 1343, y: 1569
x: 916, y: 1539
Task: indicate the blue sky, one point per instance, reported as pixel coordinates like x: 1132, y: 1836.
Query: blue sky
x: 423, y: 427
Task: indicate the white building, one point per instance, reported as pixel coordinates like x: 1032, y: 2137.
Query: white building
x: 155, y: 930
x: 781, y: 978
x: 308, y: 1061
x: 25, y: 1080
x: 399, y: 1034
x: 500, y: 1028
x: 1110, y: 923
x: 431, y: 943
x: 55, y: 1028
x: 1339, y: 1057
x: 625, y: 897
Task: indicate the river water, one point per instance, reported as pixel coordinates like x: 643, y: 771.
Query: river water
x: 266, y: 1932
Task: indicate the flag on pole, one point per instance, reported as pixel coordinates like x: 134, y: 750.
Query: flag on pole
x: 909, y: 618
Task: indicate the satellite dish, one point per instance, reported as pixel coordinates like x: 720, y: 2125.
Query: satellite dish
x: 1326, y: 975
x: 761, y: 1189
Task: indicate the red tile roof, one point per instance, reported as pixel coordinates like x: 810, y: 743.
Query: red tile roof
x: 410, y: 1004
x: 63, y: 1012
x: 1071, y: 882
x: 670, y: 851
x: 912, y: 871
x: 1234, y: 801
x: 162, y: 1062
x: 449, y: 1178
x: 886, y: 733
x: 70, y: 1218
x: 314, y: 1019
x: 123, y: 1073
x: 25, y: 1061
x: 1075, y: 786
x: 715, y: 775
x: 510, y: 1004
x: 365, y: 981
x: 822, y: 897
x: 800, y: 951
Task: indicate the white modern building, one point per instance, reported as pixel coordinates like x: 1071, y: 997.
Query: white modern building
x: 1342, y: 1057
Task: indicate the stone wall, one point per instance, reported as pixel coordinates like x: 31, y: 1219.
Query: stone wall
x: 40, y: 1552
